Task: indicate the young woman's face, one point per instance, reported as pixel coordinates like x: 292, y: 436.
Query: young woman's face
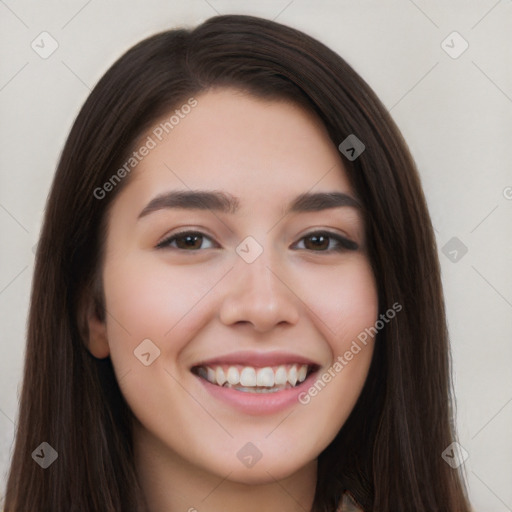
x: 254, y: 292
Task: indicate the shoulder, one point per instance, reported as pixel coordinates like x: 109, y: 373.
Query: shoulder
x: 347, y: 503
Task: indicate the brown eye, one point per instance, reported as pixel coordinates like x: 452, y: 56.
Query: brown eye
x: 186, y: 240
x: 320, y: 242
x: 317, y: 242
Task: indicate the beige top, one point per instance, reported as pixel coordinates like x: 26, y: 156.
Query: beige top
x: 348, y: 504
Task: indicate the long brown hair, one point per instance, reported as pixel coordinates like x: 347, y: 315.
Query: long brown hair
x: 388, y: 453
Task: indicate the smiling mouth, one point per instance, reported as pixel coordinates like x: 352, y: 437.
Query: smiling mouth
x: 249, y: 379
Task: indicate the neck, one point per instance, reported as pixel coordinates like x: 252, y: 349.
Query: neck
x: 172, y: 484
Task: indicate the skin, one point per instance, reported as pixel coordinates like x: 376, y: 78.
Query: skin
x: 194, y: 304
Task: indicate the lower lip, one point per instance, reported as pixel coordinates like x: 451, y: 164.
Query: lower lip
x: 257, y: 403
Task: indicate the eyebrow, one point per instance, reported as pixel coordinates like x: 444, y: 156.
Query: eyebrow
x: 227, y: 203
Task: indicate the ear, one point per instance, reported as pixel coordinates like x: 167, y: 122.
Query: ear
x: 95, y: 331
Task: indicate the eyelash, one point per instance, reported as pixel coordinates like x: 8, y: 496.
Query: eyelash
x: 344, y: 244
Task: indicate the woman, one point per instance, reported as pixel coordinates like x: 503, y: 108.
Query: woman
x: 256, y: 372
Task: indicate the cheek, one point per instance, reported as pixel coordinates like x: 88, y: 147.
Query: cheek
x: 344, y: 301
x: 148, y: 298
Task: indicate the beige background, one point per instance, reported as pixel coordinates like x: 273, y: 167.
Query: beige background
x: 455, y: 113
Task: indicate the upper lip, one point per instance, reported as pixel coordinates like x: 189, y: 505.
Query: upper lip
x: 257, y: 359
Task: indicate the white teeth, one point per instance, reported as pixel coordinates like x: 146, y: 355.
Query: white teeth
x: 265, y: 377
x: 302, y: 373
x: 281, y: 376
x: 220, y: 376
x: 250, y: 377
x: 233, y: 375
x: 292, y: 375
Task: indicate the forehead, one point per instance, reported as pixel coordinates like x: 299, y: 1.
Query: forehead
x: 258, y: 150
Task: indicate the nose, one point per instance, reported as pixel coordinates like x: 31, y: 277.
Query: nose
x: 258, y: 293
